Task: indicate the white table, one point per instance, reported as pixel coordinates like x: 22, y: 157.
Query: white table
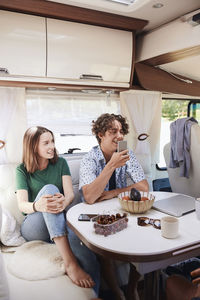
x: 142, y: 245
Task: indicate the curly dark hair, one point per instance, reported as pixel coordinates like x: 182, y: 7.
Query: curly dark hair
x: 104, y: 123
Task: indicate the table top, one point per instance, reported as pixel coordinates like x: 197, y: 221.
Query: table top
x: 135, y: 243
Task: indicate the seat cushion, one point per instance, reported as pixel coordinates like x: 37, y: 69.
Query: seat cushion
x: 8, y: 197
x: 74, y: 165
x: 59, y: 288
x: 36, y: 260
x: 4, y: 293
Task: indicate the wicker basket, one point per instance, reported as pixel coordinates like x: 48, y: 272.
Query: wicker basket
x: 136, y: 207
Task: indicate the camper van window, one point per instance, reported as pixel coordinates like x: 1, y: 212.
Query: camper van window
x: 69, y: 115
x: 194, y: 109
x: 172, y: 109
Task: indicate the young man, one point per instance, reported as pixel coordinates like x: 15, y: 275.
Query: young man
x: 103, y: 173
x: 103, y: 170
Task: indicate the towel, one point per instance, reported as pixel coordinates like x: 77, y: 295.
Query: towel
x: 180, y: 131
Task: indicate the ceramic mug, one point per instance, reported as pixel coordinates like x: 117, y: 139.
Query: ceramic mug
x: 197, y: 208
x: 169, y: 227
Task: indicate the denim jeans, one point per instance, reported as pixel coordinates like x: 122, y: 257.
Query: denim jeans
x: 45, y: 226
x: 184, y: 268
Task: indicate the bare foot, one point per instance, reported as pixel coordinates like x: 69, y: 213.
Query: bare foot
x: 78, y: 276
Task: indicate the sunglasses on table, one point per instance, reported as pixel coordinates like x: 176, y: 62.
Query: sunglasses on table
x: 144, y: 221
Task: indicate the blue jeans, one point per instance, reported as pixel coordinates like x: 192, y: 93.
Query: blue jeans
x: 184, y: 268
x: 45, y: 226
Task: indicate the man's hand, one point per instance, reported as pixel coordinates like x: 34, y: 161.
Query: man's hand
x: 196, y: 281
x: 119, y: 159
x: 107, y: 195
x: 196, y: 274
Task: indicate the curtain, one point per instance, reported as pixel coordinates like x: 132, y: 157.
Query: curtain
x: 12, y: 123
x: 143, y: 111
x: 68, y: 112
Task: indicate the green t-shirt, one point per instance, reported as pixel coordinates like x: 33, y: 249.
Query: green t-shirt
x: 34, y: 182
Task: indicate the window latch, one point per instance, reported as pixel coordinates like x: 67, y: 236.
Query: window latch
x: 71, y: 150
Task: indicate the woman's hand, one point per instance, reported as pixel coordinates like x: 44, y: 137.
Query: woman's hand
x: 61, y: 201
x: 51, y: 203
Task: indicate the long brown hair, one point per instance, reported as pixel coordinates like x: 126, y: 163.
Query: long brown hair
x: 30, y: 147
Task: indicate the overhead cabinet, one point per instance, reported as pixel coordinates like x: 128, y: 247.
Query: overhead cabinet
x: 76, y: 50
x: 22, y: 44
x: 37, y: 49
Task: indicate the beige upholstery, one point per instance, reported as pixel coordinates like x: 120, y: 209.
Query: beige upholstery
x: 74, y: 165
x: 145, y: 161
x: 3, y: 279
x: 4, y: 291
x: 189, y: 186
x: 60, y: 287
x: 8, y: 198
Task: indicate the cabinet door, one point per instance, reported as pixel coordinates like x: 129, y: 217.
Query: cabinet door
x: 75, y: 49
x: 23, y: 44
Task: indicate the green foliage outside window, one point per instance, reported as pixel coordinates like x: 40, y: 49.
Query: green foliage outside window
x: 195, y: 111
x: 174, y: 109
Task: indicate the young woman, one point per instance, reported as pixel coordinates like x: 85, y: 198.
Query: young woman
x: 44, y: 190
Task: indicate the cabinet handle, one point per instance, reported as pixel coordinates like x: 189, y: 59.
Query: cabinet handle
x: 4, y: 71
x: 93, y: 77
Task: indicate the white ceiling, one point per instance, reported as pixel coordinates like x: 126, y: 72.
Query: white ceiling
x: 141, y: 9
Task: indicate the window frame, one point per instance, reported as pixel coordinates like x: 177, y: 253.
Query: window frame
x: 160, y: 168
x: 193, y: 101
x: 73, y: 95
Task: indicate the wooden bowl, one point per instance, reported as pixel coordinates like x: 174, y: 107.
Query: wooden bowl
x: 136, y: 207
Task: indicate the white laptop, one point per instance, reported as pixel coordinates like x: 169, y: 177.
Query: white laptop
x: 177, y: 206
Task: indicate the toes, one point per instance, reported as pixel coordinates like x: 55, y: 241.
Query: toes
x: 91, y: 283
x: 86, y: 283
x: 79, y: 283
x: 82, y: 283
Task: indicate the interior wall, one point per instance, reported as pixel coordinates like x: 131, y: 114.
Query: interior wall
x: 151, y: 78
x: 170, y: 37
